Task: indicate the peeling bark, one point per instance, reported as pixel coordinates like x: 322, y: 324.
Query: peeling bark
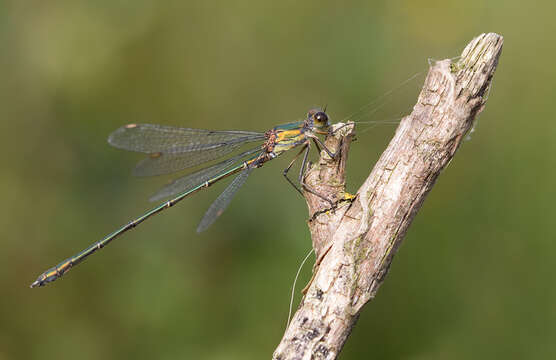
x: 356, y: 240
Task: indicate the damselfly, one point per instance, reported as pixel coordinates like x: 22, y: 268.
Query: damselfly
x: 173, y: 149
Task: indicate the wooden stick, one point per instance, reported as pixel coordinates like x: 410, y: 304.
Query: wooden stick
x: 355, y: 241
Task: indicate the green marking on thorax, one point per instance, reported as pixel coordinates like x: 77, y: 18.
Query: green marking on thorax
x: 290, y: 126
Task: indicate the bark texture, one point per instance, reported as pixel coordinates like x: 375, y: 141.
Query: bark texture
x: 356, y: 240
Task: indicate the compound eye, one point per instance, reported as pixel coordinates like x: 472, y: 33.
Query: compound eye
x: 321, y: 117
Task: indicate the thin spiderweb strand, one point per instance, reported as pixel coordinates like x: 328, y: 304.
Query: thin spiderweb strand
x: 293, y: 287
x: 381, y: 101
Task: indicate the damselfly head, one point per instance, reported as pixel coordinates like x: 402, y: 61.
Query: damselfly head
x: 317, y: 119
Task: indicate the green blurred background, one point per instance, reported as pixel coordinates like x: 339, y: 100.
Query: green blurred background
x: 474, y: 278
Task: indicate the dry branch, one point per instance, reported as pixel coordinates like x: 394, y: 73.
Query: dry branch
x: 356, y: 242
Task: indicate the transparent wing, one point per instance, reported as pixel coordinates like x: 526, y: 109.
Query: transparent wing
x: 161, y: 163
x: 189, y: 181
x: 223, y: 200
x: 173, y: 149
x: 149, y: 138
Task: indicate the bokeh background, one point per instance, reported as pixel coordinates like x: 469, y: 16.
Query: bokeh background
x: 473, y: 279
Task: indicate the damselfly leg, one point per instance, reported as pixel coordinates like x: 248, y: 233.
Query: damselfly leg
x: 287, y: 169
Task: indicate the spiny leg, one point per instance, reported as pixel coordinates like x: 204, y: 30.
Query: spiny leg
x: 305, y: 185
x: 304, y: 163
x: 330, y: 153
x: 285, y: 173
x: 317, y: 145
